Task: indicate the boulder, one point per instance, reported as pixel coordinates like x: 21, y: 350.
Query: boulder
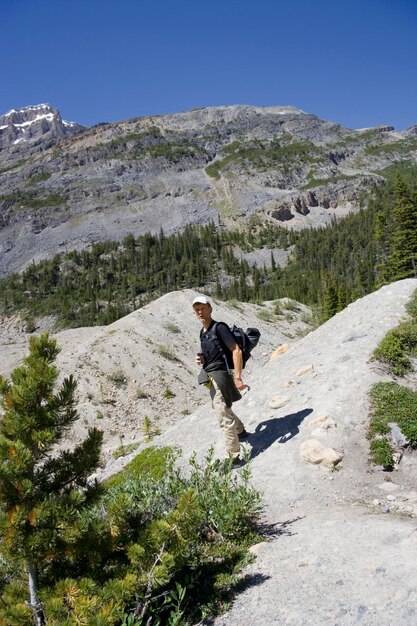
x: 279, y: 352
x: 282, y: 214
x: 314, y: 452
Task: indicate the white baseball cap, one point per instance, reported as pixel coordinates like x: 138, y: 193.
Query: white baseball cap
x: 201, y: 300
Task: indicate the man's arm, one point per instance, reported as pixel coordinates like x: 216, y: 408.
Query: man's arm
x: 237, y: 366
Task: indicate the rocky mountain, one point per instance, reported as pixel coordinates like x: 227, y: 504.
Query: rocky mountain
x: 64, y: 187
x: 31, y: 130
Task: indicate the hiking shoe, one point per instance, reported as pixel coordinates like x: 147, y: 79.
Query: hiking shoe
x: 232, y: 463
x: 243, y: 435
x: 238, y: 462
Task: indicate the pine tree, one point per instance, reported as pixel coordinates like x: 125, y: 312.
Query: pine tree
x: 403, y: 257
x: 41, y: 494
x: 330, y: 300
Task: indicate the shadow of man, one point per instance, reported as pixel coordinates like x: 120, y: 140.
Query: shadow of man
x: 280, y: 429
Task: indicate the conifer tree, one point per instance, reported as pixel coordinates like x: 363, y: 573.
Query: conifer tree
x: 330, y: 300
x: 403, y: 257
x: 42, y: 490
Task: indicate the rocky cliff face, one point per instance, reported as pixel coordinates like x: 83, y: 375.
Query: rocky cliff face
x: 64, y: 187
x: 24, y: 130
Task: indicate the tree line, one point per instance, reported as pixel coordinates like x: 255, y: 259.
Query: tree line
x: 328, y: 267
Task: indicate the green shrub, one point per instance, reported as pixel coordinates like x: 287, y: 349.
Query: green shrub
x: 173, y: 328
x: 118, y: 378
x: 168, y: 394
x: 124, y: 450
x: 38, y: 178
x: 152, y: 462
x: 391, y: 350
x: 278, y: 308
x: 290, y: 305
x: 167, y: 353
x: 411, y: 306
x: 381, y: 452
x: 391, y: 403
x: 265, y: 315
x: 158, y: 548
x: 149, y: 429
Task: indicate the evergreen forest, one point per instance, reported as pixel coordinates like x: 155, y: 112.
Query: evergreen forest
x: 327, y: 267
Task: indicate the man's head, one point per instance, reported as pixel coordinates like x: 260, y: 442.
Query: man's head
x: 202, y: 310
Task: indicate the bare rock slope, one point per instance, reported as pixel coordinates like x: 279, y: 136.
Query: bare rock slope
x: 142, y: 366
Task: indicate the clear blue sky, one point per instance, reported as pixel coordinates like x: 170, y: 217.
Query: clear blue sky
x: 350, y: 61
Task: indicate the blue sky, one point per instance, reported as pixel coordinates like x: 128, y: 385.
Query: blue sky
x: 353, y: 62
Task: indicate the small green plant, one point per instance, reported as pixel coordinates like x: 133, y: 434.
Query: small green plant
x: 149, y: 429
x: 277, y: 308
x: 30, y: 324
x: 395, y: 403
x: 168, y: 394
x: 393, y: 348
x: 118, y: 378
x: 141, y: 393
x: 167, y: 353
x: 290, y: 305
x: 382, y: 453
x: 124, y: 450
x: 411, y: 306
x: 173, y: 328
x: 235, y: 304
x: 265, y: 315
x: 38, y: 178
x: 307, y: 318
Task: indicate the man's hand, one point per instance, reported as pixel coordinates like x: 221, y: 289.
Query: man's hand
x: 240, y: 384
x: 199, y: 359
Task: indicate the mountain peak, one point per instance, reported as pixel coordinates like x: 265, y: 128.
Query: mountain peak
x: 31, y: 124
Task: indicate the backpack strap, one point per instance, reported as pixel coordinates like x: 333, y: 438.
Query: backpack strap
x: 218, y: 342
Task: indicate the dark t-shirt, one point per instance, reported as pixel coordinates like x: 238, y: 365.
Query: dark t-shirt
x: 211, y: 352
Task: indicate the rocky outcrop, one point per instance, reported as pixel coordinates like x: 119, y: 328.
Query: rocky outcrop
x: 23, y: 129
x: 300, y: 206
x: 410, y: 132
x: 282, y: 214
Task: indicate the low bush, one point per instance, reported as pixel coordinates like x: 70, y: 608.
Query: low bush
x: 158, y: 548
x: 391, y: 351
x: 167, y: 353
x: 391, y: 402
x: 398, y: 345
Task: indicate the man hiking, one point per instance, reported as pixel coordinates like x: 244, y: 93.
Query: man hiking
x: 216, y: 338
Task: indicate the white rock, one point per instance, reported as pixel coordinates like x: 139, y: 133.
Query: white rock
x: 278, y: 401
x: 312, y: 451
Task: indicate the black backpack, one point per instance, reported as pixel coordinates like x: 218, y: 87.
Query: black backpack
x: 246, y: 340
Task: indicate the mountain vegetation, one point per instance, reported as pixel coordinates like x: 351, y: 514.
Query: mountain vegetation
x: 392, y: 402
x: 149, y: 546
x: 67, y: 187
x: 328, y: 267
x: 41, y: 494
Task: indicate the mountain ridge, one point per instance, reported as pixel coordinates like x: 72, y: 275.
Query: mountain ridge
x: 221, y: 164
